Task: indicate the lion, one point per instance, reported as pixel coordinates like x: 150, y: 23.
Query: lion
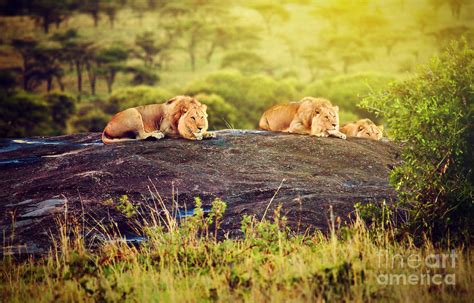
x: 181, y: 116
x: 313, y: 116
x: 363, y: 128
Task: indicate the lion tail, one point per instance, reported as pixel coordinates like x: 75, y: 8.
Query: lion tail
x: 107, y: 140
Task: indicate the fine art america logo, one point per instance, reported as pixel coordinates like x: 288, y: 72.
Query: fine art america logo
x: 432, y: 269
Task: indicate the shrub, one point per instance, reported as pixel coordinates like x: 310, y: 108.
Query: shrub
x: 62, y: 107
x: 347, y: 91
x: 432, y: 114
x: 251, y: 95
x: 245, y: 61
x: 134, y: 96
x: 90, y: 119
x: 221, y: 114
x: 23, y: 114
x: 142, y: 75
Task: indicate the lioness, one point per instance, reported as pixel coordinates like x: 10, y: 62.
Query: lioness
x: 313, y: 116
x: 363, y: 128
x: 181, y: 116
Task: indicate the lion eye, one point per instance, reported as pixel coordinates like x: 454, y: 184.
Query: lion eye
x: 194, y: 118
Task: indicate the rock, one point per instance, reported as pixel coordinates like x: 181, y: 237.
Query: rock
x: 246, y: 169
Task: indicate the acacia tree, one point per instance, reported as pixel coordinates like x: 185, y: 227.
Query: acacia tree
x: 75, y: 50
x: 110, y: 62
x: 149, y: 47
x: 110, y: 8
x: 271, y: 11
x: 92, y: 8
x: 231, y: 34
x: 317, y: 61
x: 24, y: 47
x: 46, y: 67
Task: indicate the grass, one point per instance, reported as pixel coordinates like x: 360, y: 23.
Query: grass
x: 269, y: 263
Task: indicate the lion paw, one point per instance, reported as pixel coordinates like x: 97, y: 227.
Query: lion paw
x: 210, y: 135
x: 158, y: 135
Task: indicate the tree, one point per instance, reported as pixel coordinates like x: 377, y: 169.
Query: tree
x: 148, y: 48
x: 231, y: 34
x: 75, y: 50
x: 24, y: 48
x: 51, y: 11
x: 190, y: 24
x: 46, y: 67
x: 41, y: 62
x: 271, y: 11
x: 110, y: 8
x: 317, y: 61
x: 110, y: 62
x: 92, y: 8
x: 456, y: 7
x: 348, y: 48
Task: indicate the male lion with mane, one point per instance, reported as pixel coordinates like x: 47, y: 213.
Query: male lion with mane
x: 181, y: 116
x: 313, y: 116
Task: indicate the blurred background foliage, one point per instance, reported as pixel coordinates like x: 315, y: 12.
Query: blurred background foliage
x: 70, y: 65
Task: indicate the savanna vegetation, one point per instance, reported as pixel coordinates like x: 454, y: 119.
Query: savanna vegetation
x: 408, y: 64
x: 245, y: 54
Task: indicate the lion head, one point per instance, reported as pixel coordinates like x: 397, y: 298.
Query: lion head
x: 323, y: 115
x: 193, y: 122
x: 364, y: 128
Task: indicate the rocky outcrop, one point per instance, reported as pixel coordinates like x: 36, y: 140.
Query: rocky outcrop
x: 42, y: 178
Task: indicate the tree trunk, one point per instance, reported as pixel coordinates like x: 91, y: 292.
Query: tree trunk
x: 210, y: 52
x: 193, y: 60
x: 92, y: 77
x: 49, y: 84
x: 60, y: 83
x: 46, y: 23
x: 110, y: 81
x: 79, y: 78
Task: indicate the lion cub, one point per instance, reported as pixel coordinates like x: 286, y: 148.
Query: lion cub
x: 181, y: 116
x: 363, y: 128
x: 313, y: 116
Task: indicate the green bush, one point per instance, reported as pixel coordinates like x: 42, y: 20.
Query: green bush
x: 134, y: 96
x: 247, y: 62
x: 347, y: 91
x: 432, y: 114
x: 221, y: 114
x: 90, y: 117
x: 23, y: 114
x: 251, y: 95
x: 62, y: 107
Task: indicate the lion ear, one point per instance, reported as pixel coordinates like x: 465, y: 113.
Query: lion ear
x: 170, y: 101
x: 336, y: 108
x: 204, y: 107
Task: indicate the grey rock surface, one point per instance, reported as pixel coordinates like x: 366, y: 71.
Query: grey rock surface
x: 44, y: 178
